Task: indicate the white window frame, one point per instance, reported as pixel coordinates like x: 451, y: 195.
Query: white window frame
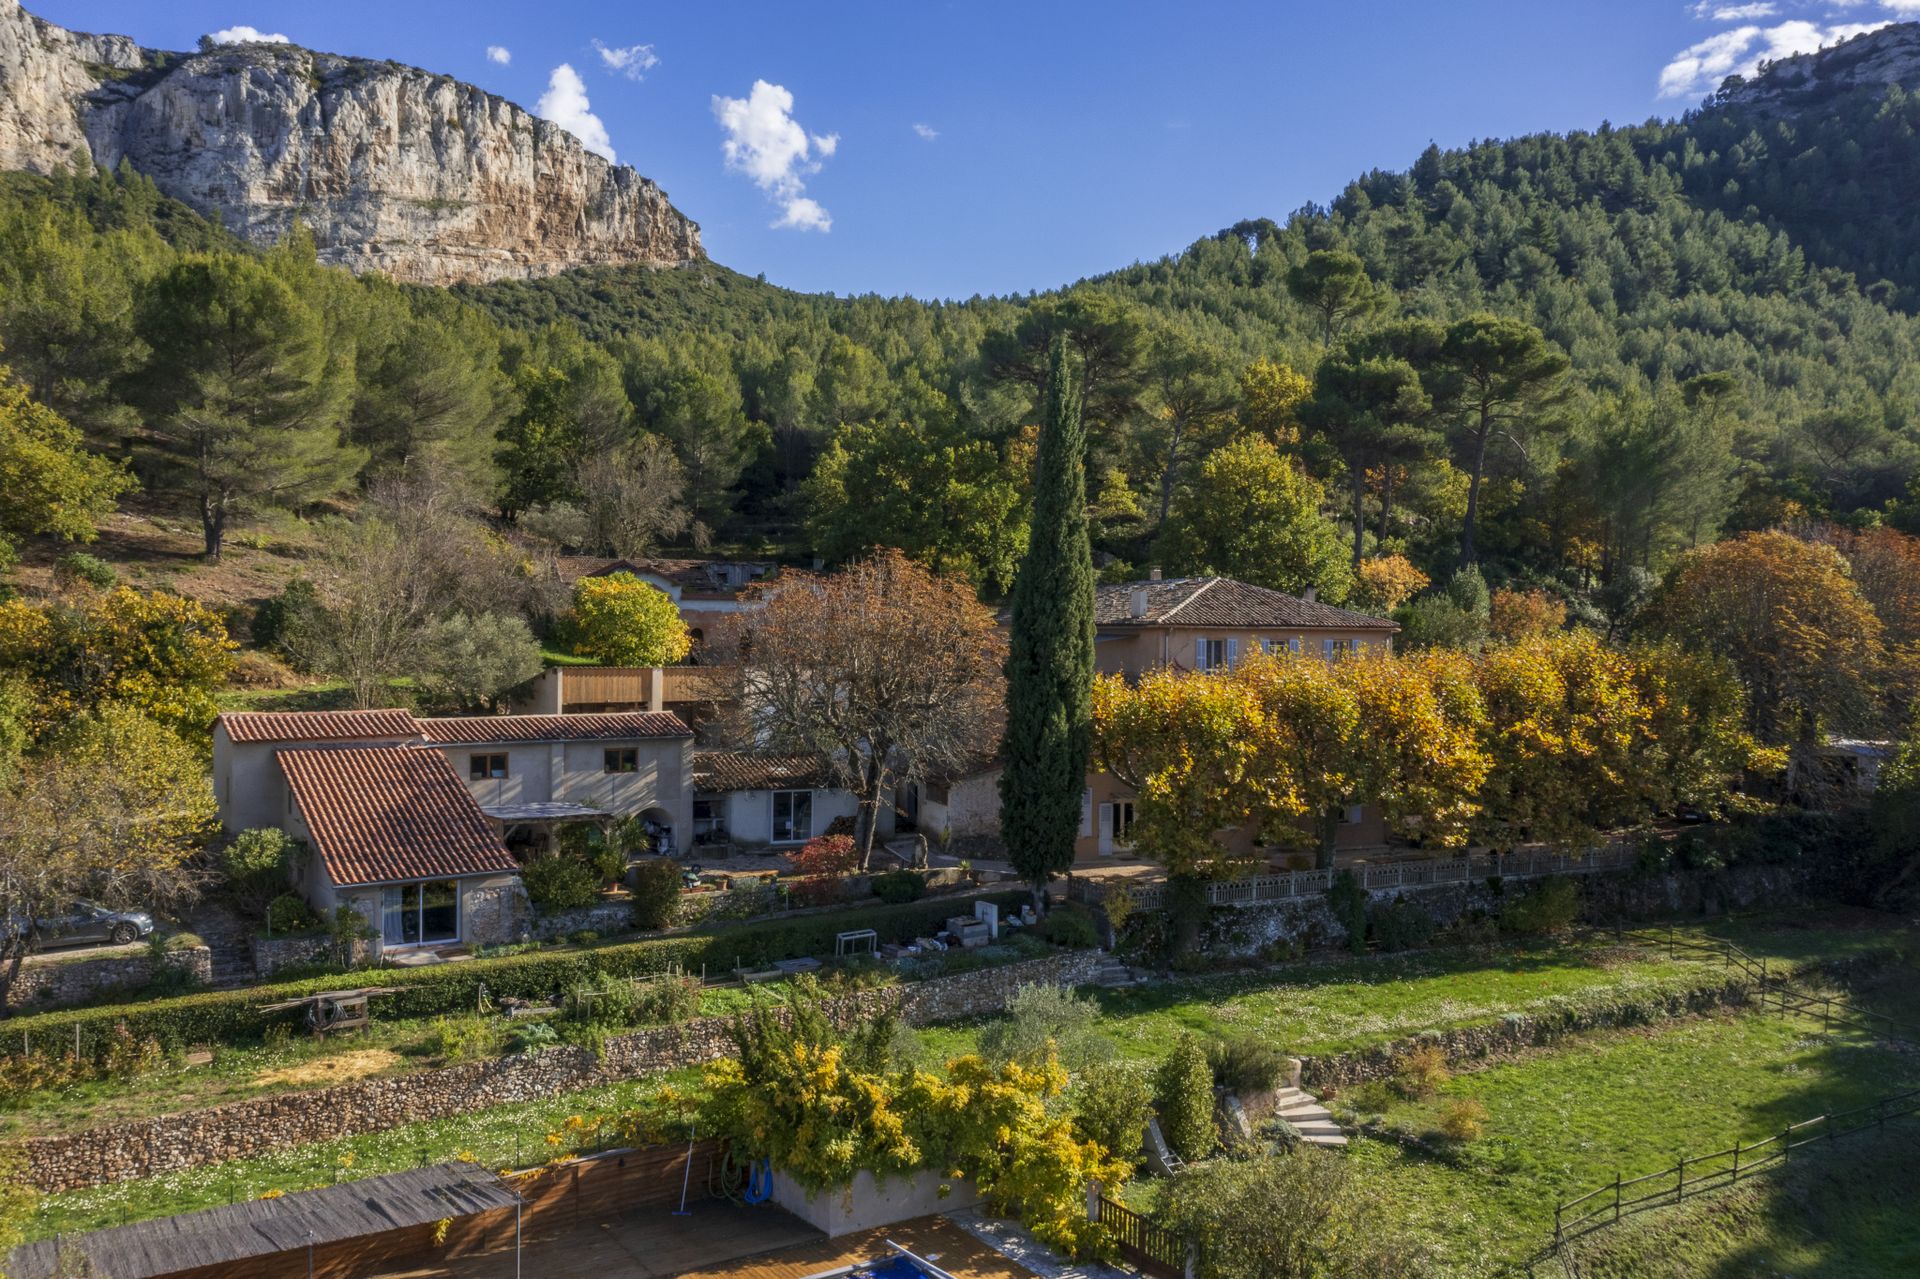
x: 1203, y: 654
x: 1122, y: 830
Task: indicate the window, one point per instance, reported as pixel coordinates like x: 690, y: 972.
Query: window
x: 792, y: 816
x: 481, y: 767
x: 1210, y: 654
x: 1123, y: 823
x: 623, y: 759
x: 420, y: 914
x: 709, y: 818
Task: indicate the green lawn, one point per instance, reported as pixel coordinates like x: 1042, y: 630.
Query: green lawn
x: 1562, y: 1122
x: 1843, y: 1212
x: 388, y: 1047
x: 1317, y: 1007
x: 496, y: 1138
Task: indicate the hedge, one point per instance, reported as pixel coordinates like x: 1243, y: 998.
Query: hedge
x: 235, y: 1016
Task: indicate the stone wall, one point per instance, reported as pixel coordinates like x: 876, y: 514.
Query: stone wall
x: 609, y: 919
x: 1519, y: 1030
x: 1306, y: 923
x: 273, y: 954
x: 58, y: 980
x: 142, y: 1148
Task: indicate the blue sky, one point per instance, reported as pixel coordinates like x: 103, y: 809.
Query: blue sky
x: 945, y: 149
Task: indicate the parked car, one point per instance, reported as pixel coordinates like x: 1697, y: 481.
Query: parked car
x: 86, y: 921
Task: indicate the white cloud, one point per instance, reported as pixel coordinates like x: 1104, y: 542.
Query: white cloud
x: 805, y: 214
x: 1714, y: 11
x: 499, y: 54
x: 767, y: 144
x: 565, y: 103
x: 632, y: 62
x: 1739, y: 50
x: 246, y: 35
x: 926, y: 131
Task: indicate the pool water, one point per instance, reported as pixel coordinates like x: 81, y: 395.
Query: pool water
x: 891, y: 1268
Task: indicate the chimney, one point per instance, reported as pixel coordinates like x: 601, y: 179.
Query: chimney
x: 1153, y: 575
x: 1311, y: 594
x: 1137, y: 602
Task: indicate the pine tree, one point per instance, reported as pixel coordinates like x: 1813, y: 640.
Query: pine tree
x: 1050, y: 659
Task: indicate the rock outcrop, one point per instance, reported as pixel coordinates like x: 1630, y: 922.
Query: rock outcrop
x: 394, y: 169
x: 1888, y: 55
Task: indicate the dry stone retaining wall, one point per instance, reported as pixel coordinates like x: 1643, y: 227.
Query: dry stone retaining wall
x: 167, y: 1143
x: 60, y: 980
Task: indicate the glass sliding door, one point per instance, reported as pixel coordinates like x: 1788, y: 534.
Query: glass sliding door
x: 420, y: 914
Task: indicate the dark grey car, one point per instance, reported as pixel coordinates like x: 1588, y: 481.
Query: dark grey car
x: 86, y: 921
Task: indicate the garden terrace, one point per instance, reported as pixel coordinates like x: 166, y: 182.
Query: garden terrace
x: 236, y: 1016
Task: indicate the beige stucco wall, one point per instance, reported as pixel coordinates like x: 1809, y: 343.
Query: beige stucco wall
x: 575, y: 773
x: 1132, y: 651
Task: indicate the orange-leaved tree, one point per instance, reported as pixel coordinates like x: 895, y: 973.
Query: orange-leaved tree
x: 1790, y: 617
x: 881, y: 672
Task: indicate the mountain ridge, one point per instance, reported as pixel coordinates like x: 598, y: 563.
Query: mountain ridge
x: 393, y: 168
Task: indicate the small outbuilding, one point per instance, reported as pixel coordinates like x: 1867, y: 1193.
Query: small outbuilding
x: 335, y: 1232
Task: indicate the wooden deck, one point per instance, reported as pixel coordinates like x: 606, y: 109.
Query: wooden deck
x: 935, y: 1238
x: 718, y: 1240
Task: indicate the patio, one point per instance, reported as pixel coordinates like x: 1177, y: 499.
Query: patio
x: 718, y: 1240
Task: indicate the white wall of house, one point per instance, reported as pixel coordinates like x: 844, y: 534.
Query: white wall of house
x: 971, y: 807
x: 749, y: 813
x: 248, y: 785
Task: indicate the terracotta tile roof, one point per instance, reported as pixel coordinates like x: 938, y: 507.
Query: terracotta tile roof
x: 742, y: 770
x: 615, y: 727
x: 698, y: 579
x: 318, y: 726
x: 1223, y: 602
x: 383, y: 813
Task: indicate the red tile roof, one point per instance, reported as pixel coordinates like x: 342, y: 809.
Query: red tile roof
x: 384, y: 813
x: 742, y: 770
x: 318, y: 726
x: 621, y: 726
x: 1223, y: 602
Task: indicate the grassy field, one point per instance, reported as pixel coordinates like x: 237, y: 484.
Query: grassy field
x: 1563, y: 1121
x: 237, y: 1073
x: 1318, y: 1007
x: 1845, y: 1211
x: 504, y: 1136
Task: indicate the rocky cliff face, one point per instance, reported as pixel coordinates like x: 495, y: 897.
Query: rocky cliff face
x: 393, y: 169
x: 1890, y: 55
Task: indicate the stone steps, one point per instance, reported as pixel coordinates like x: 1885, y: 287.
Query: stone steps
x: 1313, y: 1121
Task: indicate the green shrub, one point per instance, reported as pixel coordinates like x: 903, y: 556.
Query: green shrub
x: 1422, y: 1072
x: 1246, y: 1063
x: 531, y: 1037
x: 276, y: 618
x: 289, y: 913
x: 78, y: 566
x: 538, y: 976
x: 1039, y: 1015
x: 1348, y: 902
x: 583, y: 937
x: 1462, y: 1119
x: 612, y: 1005
x: 258, y: 865
x: 1065, y: 926
x: 560, y: 883
x: 1183, y: 1099
x: 1552, y: 907
x: 1401, y: 925
x: 1111, y: 1101
x: 181, y: 941
x: 668, y: 1000
x: 899, y: 887
x: 464, y: 1038
x: 655, y: 885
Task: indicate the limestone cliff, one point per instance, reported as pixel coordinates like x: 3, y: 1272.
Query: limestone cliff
x: 393, y: 168
x: 1889, y: 55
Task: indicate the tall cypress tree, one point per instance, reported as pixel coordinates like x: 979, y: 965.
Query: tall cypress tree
x: 1050, y: 657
